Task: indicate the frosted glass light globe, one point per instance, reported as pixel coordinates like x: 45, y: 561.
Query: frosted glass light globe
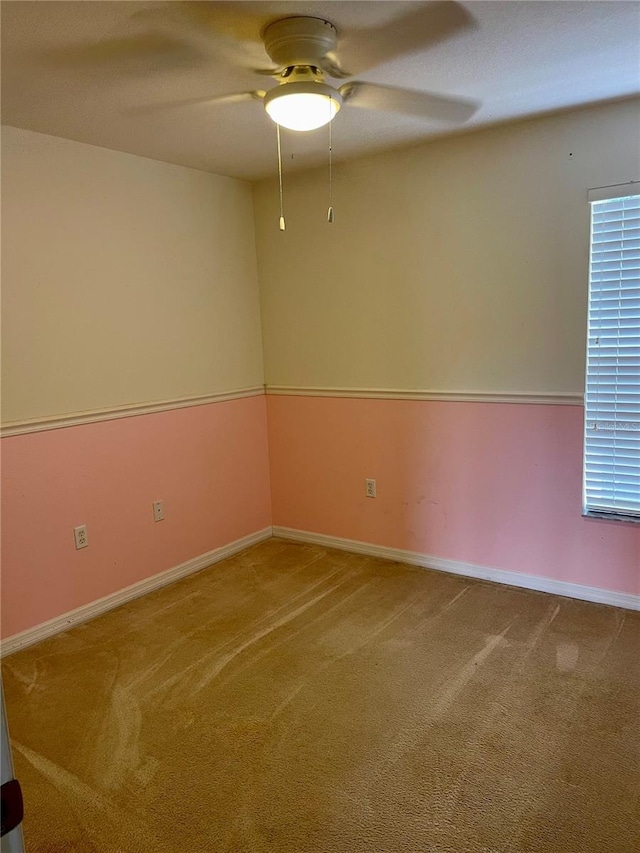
x: 302, y: 106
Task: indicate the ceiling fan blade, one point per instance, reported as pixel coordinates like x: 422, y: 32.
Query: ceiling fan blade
x: 233, y: 98
x: 135, y: 50
x: 420, y: 28
x: 331, y: 65
x: 269, y: 72
x: 372, y: 96
x: 210, y: 28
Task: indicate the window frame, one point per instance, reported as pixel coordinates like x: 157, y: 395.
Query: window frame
x: 601, y: 194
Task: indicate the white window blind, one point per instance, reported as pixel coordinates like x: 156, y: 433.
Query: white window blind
x: 612, y: 395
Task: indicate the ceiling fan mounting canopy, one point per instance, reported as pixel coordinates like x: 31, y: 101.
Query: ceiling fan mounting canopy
x: 299, y: 41
x: 302, y: 100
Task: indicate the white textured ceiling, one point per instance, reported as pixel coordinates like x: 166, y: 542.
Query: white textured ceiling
x: 520, y: 58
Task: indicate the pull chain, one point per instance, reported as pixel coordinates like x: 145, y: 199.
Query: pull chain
x: 281, y: 223
x: 330, y: 210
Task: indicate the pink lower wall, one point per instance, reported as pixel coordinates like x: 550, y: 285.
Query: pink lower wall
x: 209, y: 464
x: 496, y: 485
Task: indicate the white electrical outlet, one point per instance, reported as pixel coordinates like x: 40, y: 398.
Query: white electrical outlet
x: 370, y: 488
x: 81, y: 536
x: 158, y: 511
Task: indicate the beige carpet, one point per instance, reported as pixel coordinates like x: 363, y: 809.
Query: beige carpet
x: 295, y: 698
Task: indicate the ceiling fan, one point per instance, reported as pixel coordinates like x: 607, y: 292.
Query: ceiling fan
x: 304, y: 51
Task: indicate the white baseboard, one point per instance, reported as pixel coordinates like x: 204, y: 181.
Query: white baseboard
x: 456, y: 567
x: 96, y: 608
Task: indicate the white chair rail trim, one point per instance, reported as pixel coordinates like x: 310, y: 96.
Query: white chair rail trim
x: 129, y: 411
x: 554, y: 398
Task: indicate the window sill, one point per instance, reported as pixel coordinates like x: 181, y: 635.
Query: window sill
x: 610, y: 516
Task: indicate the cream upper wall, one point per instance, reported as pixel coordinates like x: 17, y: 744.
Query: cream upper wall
x: 124, y: 280
x: 459, y: 265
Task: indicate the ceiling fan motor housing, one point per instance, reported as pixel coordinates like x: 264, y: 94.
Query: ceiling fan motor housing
x: 299, y: 41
